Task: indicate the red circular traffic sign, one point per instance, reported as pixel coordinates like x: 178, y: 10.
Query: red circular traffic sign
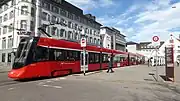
x: 83, y: 40
x: 155, y: 38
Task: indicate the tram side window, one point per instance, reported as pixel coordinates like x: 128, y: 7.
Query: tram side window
x: 97, y: 57
x: 91, y: 58
x: 105, y: 58
x: 52, y: 54
x: 71, y: 55
x: 41, y: 54
x: 76, y: 55
x: 59, y: 55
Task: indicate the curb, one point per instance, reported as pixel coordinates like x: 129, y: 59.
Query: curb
x: 4, y: 71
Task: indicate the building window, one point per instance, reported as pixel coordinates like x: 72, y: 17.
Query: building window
x: 53, y: 20
x: 10, y: 43
x: 76, y: 17
x: 5, y: 17
x: 32, y: 12
x: 32, y: 26
x: 4, y: 29
x: 90, y: 31
x: 98, y: 41
x: 57, y: 32
x: 76, y: 36
x: 95, y: 41
x: 70, y: 36
x: 62, y: 32
x: 53, y: 30
x: 75, y: 26
x: 5, y: 7
x: 63, y: 12
x: 81, y: 20
x: 24, y: 10
x: 3, y: 57
x: 11, y: 14
x: 1, y: 10
x: 9, y: 57
x: 70, y: 15
x: 46, y: 5
x: 44, y: 15
x: 0, y: 19
x: 87, y: 39
x: 10, y: 27
x: 48, y: 17
x: 65, y: 33
x: 94, y: 32
x: 4, y: 43
x: 87, y: 31
x: 24, y: 24
x: 33, y: 1
x: 69, y: 24
x: 91, y: 40
x: 48, y: 30
x: 55, y: 9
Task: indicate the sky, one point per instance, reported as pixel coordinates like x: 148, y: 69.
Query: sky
x: 139, y: 20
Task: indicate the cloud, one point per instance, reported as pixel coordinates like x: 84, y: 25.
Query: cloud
x: 140, y: 21
x: 163, y: 21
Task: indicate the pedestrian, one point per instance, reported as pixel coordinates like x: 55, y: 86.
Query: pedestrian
x: 178, y: 63
x: 110, y: 60
x: 148, y: 62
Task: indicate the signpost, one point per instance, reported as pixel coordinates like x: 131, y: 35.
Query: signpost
x: 156, y: 43
x: 169, y: 58
x: 83, y: 45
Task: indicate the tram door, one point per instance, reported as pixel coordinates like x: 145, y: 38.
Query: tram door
x: 86, y: 61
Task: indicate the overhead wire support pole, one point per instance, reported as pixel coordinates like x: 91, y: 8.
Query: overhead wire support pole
x: 156, y: 63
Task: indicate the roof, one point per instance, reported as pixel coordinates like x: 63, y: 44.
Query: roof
x: 131, y: 43
x: 114, y: 30
x: 107, y: 28
x: 3, y: 2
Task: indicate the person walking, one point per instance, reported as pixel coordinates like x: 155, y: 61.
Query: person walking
x: 110, y: 59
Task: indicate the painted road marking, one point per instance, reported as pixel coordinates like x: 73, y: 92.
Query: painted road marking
x: 58, y: 79
x: 58, y: 87
x: 11, y: 88
x: 63, y: 78
x: 47, y: 85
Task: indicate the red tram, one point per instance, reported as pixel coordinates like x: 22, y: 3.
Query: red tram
x: 47, y: 57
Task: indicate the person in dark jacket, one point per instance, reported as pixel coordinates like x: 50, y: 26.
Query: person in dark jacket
x: 110, y: 59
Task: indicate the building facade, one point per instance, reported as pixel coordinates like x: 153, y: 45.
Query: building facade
x: 147, y: 50
x: 113, y: 39
x: 106, y: 34
x: 22, y: 18
x: 119, y: 41
x: 175, y: 42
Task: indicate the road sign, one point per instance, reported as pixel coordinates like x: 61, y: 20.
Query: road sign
x: 83, y: 42
x: 155, y: 41
x: 155, y: 38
